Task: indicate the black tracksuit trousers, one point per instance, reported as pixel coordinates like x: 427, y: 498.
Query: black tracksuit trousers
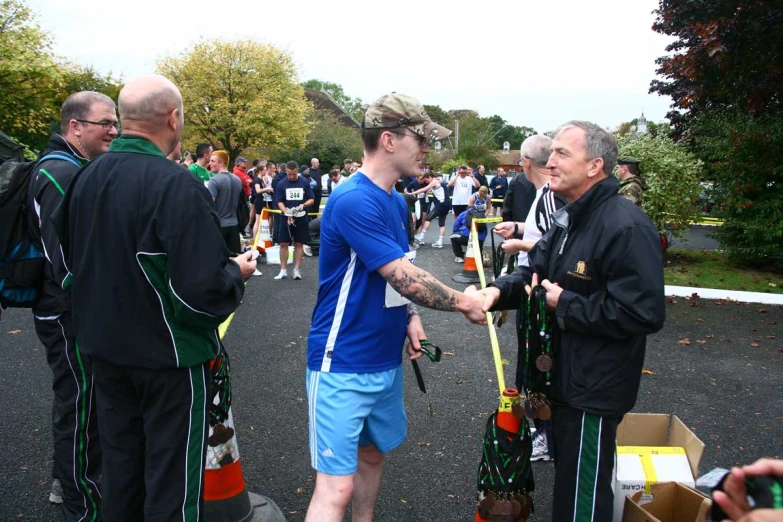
x: 584, y: 460
x: 77, y: 450
x: 153, y: 427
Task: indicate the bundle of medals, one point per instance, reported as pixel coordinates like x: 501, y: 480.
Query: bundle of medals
x: 505, y: 477
x: 538, y: 356
x: 221, y: 389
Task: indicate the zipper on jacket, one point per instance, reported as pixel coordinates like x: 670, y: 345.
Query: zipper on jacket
x: 563, y: 244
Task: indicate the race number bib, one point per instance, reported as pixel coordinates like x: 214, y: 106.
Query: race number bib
x: 294, y: 194
x: 393, y: 297
x: 464, y: 185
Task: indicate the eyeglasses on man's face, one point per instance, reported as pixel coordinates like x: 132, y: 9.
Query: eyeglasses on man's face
x: 104, y: 124
x: 423, y: 142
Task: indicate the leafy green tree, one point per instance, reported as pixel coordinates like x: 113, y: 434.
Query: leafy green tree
x: 724, y: 77
x: 514, y: 135
x: 439, y: 116
x: 353, y: 106
x: 671, y: 174
x: 743, y: 158
x: 329, y: 140
x: 77, y: 78
x: 30, y: 77
x: 239, y: 95
x: 452, y: 164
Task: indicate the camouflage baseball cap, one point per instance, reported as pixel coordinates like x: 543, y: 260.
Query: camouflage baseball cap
x: 394, y: 111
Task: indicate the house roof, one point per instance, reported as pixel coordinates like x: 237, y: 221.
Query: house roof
x: 321, y: 100
x: 512, y: 158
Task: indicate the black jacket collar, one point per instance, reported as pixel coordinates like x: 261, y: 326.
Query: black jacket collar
x: 578, y: 210
x: 58, y: 144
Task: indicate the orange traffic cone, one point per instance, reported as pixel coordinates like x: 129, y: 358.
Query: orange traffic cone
x: 469, y: 273
x: 507, y: 417
x: 226, y: 498
x: 264, y: 238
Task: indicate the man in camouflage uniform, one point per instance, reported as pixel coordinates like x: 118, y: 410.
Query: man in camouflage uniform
x: 631, y: 184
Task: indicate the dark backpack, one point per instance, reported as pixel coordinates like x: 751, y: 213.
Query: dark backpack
x: 473, y: 213
x: 21, y: 255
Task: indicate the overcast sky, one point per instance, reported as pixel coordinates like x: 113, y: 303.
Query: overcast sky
x: 533, y: 62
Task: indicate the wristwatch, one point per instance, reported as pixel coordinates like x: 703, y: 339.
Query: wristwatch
x: 516, y: 228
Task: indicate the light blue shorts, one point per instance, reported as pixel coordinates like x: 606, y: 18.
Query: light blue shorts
x: 348, y: 410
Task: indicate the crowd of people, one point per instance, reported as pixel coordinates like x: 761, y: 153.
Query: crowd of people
x: 144, y: 395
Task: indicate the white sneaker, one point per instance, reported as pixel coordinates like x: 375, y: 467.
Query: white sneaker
x: 419, y: 238
x: 437, y: 244
x: 459, y: 260
x: 56, y: 495
x: 307, y: 251
x: 282, y: 275
x: 540, y: 449
x: 257, y: 272
x: 297, y: 274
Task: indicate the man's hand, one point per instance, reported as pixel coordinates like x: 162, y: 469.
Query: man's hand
x: 415, y: 335
x: 247, y: 265
x: 480, y: 302
x: 517, y: 245
x: 512, y: 246
x: 733, y: 498
x: 505, y: 229
x: 553, y: 291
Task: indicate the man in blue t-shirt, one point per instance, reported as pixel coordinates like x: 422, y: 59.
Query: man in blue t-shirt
x: 365, y: 310
x: 294, y: 196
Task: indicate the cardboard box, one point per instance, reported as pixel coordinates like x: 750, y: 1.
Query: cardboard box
x: 660, y: 462
x: 672, y: 502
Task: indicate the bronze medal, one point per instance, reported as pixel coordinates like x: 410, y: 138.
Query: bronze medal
x: 530, y: 409
x: 505, y: 507
x: 544, y: 412
x: 518, y: 410
x: 543, y: 363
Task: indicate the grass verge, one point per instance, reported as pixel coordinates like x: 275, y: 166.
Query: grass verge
x: 703, y: 269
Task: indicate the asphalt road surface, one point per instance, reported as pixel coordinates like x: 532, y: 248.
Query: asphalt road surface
x: 716, y: 365
x: 696, y: 238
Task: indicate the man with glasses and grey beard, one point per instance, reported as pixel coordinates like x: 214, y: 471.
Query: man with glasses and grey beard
x: 88, y: 122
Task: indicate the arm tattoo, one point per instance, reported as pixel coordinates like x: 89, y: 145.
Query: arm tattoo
x: 422, y: 288
x: 412, y: 311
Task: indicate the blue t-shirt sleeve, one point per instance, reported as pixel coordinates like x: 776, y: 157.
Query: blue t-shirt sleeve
x: 367, y: 230
x: 280, y: 192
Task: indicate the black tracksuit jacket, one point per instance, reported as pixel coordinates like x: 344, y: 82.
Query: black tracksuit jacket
x: 606, y: 255
x: 518, y: 199
x: 150, y: 275
x: 44, y: 196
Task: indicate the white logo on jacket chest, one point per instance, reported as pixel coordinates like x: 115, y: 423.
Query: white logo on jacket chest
x: 294, y: 194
